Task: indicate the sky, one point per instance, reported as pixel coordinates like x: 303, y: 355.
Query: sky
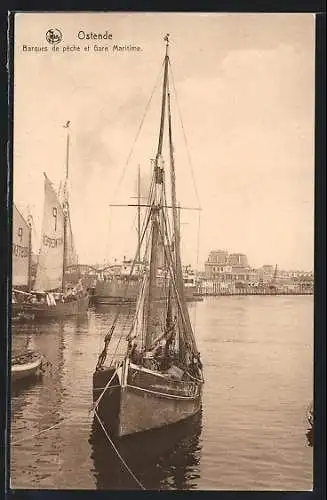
x: 245, y: 91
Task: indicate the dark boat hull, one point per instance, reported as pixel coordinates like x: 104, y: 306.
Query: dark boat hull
x: 40, y: 311
x: 142, y: 411
x: 116, y: 292
x: 146, y: 401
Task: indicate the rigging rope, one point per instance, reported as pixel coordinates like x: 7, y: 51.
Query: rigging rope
x: 138, y: 306
x: 197, y: 261
x: 189, y: 340
x: 117, y: 452
x: 184, y: 135
x: 96, y: 404
x: 191, y: 168
x: 44, y: 430
x: 123, y: 328
x: 103, y: 355
x: 104, y: 430
x: 147, y: 218
x: 138, y: 132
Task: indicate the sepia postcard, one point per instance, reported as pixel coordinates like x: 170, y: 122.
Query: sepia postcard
x: 162, y: 251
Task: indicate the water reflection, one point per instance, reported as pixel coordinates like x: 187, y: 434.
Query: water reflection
x: 258, y: 370
x: 162, y: 459
x: 18, y: 387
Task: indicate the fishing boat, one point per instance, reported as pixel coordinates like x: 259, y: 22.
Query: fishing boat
x: 25, y: 365
x: 52, y: 295
x: 111, y: 287
x: 158, y: 379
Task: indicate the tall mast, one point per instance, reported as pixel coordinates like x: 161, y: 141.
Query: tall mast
x: 163, y: 102
x: 155, y: 215
x: 65, y: 206
x: 139, y: 214
x: 274, y: 278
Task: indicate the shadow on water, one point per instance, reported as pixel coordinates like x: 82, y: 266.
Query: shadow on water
x: 310, y: 422
x: 162, y: 459
x: 19, y: 386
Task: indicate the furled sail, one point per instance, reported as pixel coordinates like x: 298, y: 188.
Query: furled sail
x: 20, y: 250
x: 50, y: 265
x: 138, y: 323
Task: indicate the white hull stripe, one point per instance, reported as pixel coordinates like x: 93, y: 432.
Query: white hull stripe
x: 109, y: 387
x: 25, y: 367
x: 163, y: 394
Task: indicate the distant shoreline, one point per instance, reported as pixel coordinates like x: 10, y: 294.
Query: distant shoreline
x: 252, y: 292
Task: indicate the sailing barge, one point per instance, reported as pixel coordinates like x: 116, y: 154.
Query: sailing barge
x: 51, y: 296
x: 159, y: 379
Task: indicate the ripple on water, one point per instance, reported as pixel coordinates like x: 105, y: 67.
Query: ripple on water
x: 257, y: 354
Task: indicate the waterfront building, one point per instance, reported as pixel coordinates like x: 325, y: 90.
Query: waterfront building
x: 219, y: 272
x: 238, y: 259
x: 217, y: 264
x: 226, y: 271
x: 218, y: 257
x: 231, y: 273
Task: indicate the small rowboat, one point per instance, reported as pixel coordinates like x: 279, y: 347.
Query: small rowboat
x: 25, y: 365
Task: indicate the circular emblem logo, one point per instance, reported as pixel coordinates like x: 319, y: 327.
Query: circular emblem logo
x: 53, y: 36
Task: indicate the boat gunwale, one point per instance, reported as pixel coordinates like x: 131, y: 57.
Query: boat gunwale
x: 162, y: 394
x: 15, y: 368
x: 159, y: 374
x: 194, y: 382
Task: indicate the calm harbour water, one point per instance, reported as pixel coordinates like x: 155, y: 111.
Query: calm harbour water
x: 258, y: 358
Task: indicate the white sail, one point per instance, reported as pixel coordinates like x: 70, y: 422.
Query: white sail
x: 71, y: 255
x: 50, y: 264
x: 20, y: 249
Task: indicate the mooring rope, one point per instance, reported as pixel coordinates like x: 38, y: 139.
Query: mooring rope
x: 96, y: 404
x: 138, y: 132
x: 43, y: 430
x: 118, y: 454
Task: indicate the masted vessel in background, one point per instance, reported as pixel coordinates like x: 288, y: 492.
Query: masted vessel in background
x: 52, y: 295
x: 21, y: 260
x: 158, y: 380
x: 111, y: 287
